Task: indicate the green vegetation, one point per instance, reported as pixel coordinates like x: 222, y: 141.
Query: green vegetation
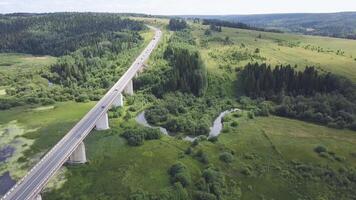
x: 274, y: 49
x: 33, y: 130
x: 219, y: 23
x: 321, y: 98
x: 136, y: 137
x: 177, y: 24
x: 270, y: 155
x: 257, y: 155
x: 341, y: 24
x: 188, y: 74
x: 59, y: 33
x: 185, y: 114
x: 86, y: 68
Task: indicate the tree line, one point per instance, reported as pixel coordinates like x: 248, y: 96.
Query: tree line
x: 177, y: 24
x: 240, y: 25
x: 307, y: 95
x: 182, y: 70
x: 188, y: 70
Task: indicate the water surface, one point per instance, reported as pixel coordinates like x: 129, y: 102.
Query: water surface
x: 6, y: 183
x: 215, y: 130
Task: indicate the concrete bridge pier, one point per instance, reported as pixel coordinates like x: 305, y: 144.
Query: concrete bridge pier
x: 129, y: 88
x: 102, y: 123
x: 119, y: 101
x: 78, y: 156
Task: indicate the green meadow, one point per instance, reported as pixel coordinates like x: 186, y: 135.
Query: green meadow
x: 36, y: 129
x: 273, y: 157
x: 13, y: 62
x: 266, y: 153
x: 277, y: 49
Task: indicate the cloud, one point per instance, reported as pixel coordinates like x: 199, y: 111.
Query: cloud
x: 4, y: 3
x: 170, y: 7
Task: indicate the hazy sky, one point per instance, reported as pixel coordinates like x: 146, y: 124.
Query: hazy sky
x: 170, y: 7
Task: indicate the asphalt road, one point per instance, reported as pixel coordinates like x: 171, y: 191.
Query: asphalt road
x: 32, y: 184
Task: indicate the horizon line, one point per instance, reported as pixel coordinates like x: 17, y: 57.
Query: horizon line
x: 109, y: 12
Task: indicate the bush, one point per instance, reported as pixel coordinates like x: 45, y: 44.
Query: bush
x: 82, y: 98
x: 226, y: 157
x: 353, y: 126
x: 251, y: 115
x: 47, y: 101
x: 202, y: 157
x: 246, y: 171
x: 152, y: 134
x: 320, y: 149
x: 156, y: 114
x: 199, y: 195
x: 215, y: 181
x: 324, y: 155
x: 136, y: 137
x: 195, y: 143
x: 339, y: 158
x: 234, y: 124
x: 189, y: 151
x: 237, y: 114
x: 177, y: 24
x: 139, y: 195
x: 213, y: 139
x: 179, y: 173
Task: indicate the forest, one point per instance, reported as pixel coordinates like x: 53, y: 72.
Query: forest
x: 307, y: 95
x: 60, y: 33
x: 189, y: 73
x: 85, y: 68
x: 177, y: 24
x: 183, y: 68
x: 219, y: 23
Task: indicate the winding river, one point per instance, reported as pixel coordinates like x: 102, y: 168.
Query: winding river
x: 215, y: 130
x: 141, y: 119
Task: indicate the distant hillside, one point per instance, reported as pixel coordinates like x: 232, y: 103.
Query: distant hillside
x: 341, y: 25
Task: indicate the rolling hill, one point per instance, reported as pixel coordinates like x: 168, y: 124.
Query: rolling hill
x: 341, y: 25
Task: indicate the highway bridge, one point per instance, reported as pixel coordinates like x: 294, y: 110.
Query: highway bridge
x: 71, y: 147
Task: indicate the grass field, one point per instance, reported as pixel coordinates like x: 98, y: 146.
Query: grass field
x: 22, y: 68
x: 14, y: 61
x: 277, y: 142
x: 267, y: 147
x: 280, y: 48
x: 37, y: 128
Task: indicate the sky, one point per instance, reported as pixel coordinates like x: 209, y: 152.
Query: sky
x: 180, y: 7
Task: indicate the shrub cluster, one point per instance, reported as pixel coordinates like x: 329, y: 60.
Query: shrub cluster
x: 180, y: 173
x: 137, y: 136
